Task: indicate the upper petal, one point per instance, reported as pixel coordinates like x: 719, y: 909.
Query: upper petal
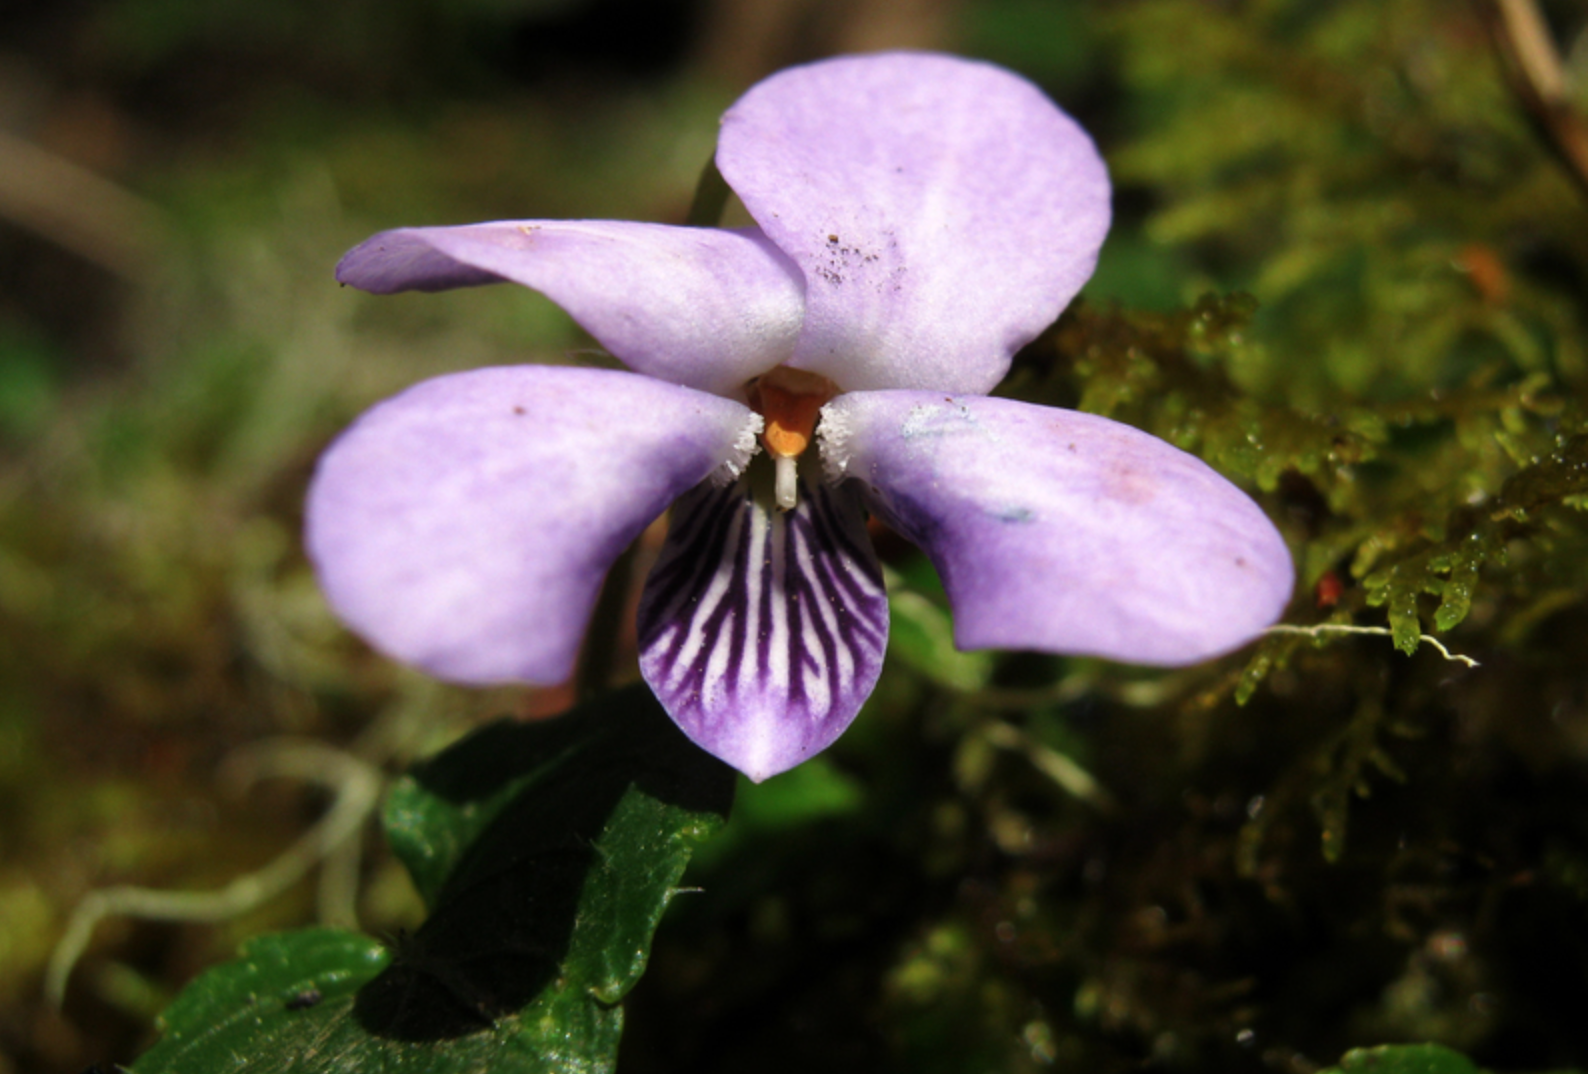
x: 1062, y: 531
x: 465, y: 525
x: 702, y: 307
x: 943, y: 212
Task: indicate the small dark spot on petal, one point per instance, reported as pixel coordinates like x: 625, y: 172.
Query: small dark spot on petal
x: 519, y: 410
x: 1239, y: 562
x: 833, y: 239
x: 1124, y: 482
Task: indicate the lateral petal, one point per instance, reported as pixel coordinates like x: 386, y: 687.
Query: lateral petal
x: 1062, y: 531
x: 763, y: 632
x: 465, y: 525
x: 943, y: 211
x: 702, y: 307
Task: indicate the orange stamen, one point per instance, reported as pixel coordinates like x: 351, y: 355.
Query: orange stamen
x: 788, y: 421
x: 789, y: 400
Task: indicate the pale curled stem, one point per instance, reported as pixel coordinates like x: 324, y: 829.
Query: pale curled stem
x: 1534, y: 68
x: 357, y: 788
x: 1067, y: 773
x: 77, y: 210
x: 1141, y: 694
x: 1321, y: 629
x: 1531, y: 42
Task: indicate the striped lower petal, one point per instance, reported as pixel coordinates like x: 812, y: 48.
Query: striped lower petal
x: 763, y: 632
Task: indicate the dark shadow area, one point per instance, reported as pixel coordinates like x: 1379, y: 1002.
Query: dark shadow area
x: 633, y: 39
x: 503, y: 921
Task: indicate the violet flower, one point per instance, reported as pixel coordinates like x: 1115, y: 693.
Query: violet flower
x: 920, y: 218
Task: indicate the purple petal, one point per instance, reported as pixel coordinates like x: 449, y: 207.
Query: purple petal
x: 763, y: 633
x: 706, y: 308
x: 466, y: 525
x: 943, y: 211
x: 1062, y: 531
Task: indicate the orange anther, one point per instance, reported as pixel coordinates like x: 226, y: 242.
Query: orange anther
x: 789, y: 400
x: 788, y: 420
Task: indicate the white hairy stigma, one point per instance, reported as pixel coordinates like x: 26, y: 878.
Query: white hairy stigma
x: 741, y: 451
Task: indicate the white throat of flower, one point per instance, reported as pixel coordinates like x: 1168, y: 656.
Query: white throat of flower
x: 789, y: 401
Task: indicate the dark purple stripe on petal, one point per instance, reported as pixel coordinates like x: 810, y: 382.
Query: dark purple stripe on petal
x: 762, y: 632
x: 705, y: 524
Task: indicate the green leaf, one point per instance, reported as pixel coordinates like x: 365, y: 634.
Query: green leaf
x: 1404, y: 1059
x: 1407, y: 1059
x: 921, y: 635
x: 547, y: 853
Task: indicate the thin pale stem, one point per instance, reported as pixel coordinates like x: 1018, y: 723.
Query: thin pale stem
x: 1536, y: 72
x: 78, y: 210
x: 357, y: 788
x: 1321, y: 629
x: 1068, y: 774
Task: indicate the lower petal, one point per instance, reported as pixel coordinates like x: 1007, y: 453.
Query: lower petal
x: 465, y: 526
x: 763, y: 632
x: 1061, y: 531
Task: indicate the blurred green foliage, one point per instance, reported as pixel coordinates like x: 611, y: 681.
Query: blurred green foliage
x: 546, y: 853
x: 1348, y: 269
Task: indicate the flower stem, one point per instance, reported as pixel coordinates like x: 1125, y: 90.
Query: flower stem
x: 596, y: 667
x: 712, y: 194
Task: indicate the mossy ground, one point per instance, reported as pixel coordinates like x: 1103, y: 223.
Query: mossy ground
x: 1348, y: 269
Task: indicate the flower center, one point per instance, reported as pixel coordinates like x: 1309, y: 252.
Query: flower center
x: 789, y: 400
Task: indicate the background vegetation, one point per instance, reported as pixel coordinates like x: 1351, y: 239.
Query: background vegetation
x: 1349, y: 269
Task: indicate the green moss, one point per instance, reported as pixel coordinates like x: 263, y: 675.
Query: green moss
x: 1347, y: 269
